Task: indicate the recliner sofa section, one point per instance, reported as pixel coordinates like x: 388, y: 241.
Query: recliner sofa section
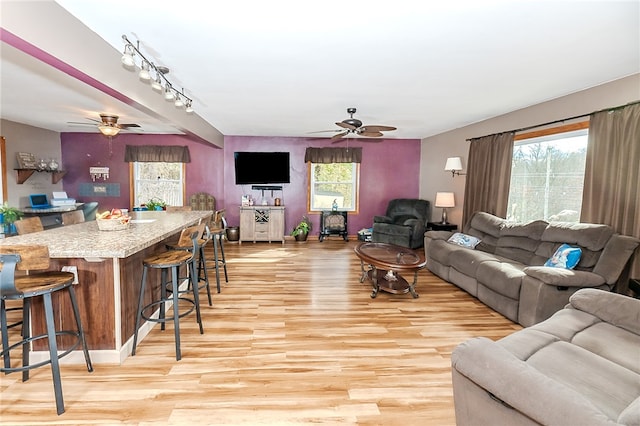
x: 505, y: 270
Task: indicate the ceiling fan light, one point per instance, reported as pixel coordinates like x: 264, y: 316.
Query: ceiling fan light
x: 144, y: 71
x: 108, y: 130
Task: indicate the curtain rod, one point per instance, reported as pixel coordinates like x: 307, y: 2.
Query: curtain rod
x: 559, y: 121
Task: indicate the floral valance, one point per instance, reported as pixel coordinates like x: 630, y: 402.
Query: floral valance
x: 333, y: 155
x: 157, y: 153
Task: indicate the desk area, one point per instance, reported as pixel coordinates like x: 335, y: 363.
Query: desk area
x: 51, y: 217
x: 109, y: 265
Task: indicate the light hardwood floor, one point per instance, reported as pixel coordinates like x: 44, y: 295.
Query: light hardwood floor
x: 293, y: 338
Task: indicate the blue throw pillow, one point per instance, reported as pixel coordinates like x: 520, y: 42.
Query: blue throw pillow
x: 565, y: 257
x: 464, y: 240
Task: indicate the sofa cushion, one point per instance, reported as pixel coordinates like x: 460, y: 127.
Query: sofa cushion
x: 588, y: 235
x: 442, y: 251
x: 565, y: 256
x: 467, y: 260
x: 532, y: 230
x: 615, y: 256
x: 464, y: 240
x: 616, y: 309
x: 502, y: 277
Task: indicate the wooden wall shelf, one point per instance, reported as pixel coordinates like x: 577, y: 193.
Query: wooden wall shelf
x: 24, y: 174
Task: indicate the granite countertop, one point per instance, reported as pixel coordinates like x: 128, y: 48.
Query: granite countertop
x: 85, y: 240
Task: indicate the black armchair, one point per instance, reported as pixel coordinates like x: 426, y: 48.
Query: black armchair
x: 404, y: 223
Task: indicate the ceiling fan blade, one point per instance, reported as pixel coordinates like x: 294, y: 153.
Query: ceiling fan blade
x: 345, y: 125
x: 377, y: 128
x: 128, y: 125
x: 79, y: 123
x: 339, y: 135
x: 326, y: 131
x: 370, y: 134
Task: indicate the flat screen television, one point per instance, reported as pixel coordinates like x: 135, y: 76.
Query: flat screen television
x: 261, y: 167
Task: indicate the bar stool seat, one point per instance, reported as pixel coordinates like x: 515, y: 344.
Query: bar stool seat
x: 26, y: 288
x: 202, y: 274
x: 170, y: 260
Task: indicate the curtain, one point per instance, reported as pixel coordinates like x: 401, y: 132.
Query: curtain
x: 611, y: 193
x: 488, y: 175
x: 333, y: 155
x: 157, y: 153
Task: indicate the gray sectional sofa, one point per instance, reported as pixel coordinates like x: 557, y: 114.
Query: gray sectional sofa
x: 505, y: 270
x: 579, y: 367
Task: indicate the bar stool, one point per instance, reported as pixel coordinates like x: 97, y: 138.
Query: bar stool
x: 26, y: 288
x: 202, y: 274
x: 170, y: 260
x: 215, y: 232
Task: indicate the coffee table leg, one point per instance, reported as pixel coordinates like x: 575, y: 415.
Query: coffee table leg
x: 374, y: 282
x: 412, y: 285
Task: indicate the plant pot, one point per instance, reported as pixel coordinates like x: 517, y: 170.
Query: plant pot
x: 301, y: 237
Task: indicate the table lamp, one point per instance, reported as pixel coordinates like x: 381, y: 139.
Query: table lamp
x: 444, y: 200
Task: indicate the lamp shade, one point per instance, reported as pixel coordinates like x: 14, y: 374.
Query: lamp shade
x: 445, y: 199
x: 453, y: 163
x: 108, y: 130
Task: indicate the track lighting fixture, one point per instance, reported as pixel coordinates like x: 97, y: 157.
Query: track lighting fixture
x: 132, y: 51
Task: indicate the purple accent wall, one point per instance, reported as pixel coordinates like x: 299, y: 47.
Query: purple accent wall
x: 83, y: 150
x: 390, y: 169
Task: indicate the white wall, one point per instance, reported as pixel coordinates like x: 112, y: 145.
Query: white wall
x: 436, y: 149
x: 39, y: 142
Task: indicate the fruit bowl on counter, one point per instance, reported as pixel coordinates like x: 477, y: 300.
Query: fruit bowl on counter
x: 113, y: 220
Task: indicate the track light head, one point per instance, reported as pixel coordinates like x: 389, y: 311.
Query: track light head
x: 127, y: 56
x: 144, y: 73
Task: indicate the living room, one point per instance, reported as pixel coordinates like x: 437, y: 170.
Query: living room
x: 261, y: 273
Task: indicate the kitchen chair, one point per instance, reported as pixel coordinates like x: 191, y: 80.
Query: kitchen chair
x: 28, y: 225
x: 170, y: 260
x: 203, y: 201
x: 26, y: 288
x: 71, y: 218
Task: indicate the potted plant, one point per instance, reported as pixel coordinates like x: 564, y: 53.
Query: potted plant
x: 155, y: 204
x: 9, y: 215
x: 302, y: 229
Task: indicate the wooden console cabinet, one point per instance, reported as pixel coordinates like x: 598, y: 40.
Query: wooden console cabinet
x: 262, y: 223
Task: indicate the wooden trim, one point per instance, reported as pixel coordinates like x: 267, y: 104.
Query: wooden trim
x: 3, y: 161
x: 131, y: 184
x: 553, y: 130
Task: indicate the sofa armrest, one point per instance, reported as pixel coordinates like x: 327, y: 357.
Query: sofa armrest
x: 614, y: 257
x: 438, y: 235
x: 561, y: 277
x: 519, y: 386
x: 382, y: 219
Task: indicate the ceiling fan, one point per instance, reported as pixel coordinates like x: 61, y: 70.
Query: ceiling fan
x: 108, y: 124
x: 353, y: 125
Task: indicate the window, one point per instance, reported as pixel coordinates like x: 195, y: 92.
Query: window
x: 333, y: 181
x: 157, y: 180
x: 547, y: 176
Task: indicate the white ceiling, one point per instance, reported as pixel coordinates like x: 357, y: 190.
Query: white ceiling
x: 288, y: 68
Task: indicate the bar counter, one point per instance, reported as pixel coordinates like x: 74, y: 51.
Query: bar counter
x: 109, y: 265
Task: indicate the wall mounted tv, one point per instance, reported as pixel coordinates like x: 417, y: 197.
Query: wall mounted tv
x: 261, y: 167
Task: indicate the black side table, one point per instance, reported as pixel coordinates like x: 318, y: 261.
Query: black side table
x: 439, y: 226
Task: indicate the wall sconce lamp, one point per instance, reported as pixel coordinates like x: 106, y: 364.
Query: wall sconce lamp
x: 444, y: 200
x: 454, y: 165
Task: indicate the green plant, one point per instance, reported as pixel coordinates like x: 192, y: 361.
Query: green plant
x: 153, y: 203
x: 11, y: 214
x: 303, y: 227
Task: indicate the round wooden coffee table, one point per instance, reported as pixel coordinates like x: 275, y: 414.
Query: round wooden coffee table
x: 384, y: 263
